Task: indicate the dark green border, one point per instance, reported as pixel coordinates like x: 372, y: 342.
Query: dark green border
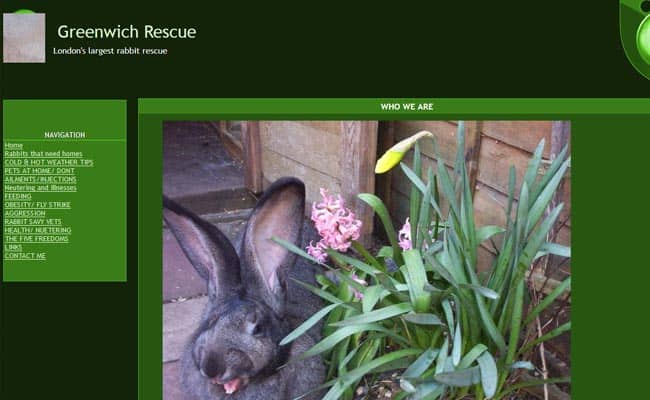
x: 607, y: 160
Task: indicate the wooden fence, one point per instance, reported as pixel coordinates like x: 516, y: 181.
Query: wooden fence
x: 491, y: 148
x: 340, y: 156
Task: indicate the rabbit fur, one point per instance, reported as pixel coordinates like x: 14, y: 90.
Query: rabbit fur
x: 234, y: 353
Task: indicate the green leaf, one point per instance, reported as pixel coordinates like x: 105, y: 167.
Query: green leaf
x: 447, y: 187
x: 456, y: 349
x: 459, y: 378
x: 296, y: 250
x: 559, y: 290
x: 416, y: 278
x: 340, y: 334
x: 376, y: 315
x: 371, y: 296
x: 423, y: 319
x: 489, y: 373
x: 523, y: 365
x: 385, y: 252
x: 424, y: 219
x: 324, y: 281
x: 379, y: 207
x: 486, y: 232
x: 488, y: 323
x: 437, y: 267
x: 324, y: 294
x: 304, y: 327
x: 540, y: 203
x: 467, y: 220
x: 358, y: 264
x: 419, y: 183
x: 354, y: 375
x: 428, y: 391
x: 358, y: 247
x: 368, y: 351
x: 343, y: 364
x: 368, y: 367
x: 420, y: 365
x: 550, y: 172
x: 442, y: 356
x: 482, y: 290
x: 553, y: 248
x: 550, y: 335
x: 538, y: 236
x: 500, y: 271
x: 407, y: 386
x: 449, y: 315
x: 533, y: 167
x: 515, y: 327
x: 414, y: 198
x: 522, y: 214
x: 472, y: 355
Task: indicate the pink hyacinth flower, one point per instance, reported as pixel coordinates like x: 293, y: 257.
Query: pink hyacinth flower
x: 336, y: 225
x: 317, y: 251
x: 404, y: 236
x: 357, y: 294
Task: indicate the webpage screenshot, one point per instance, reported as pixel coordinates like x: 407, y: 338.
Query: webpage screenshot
x: 176, y: 226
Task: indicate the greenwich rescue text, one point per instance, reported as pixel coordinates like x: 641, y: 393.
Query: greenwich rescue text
x: 128, y: 32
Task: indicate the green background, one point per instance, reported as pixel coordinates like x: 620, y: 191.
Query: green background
x: 97, y: 246
x: 76, y: 341
x: 605, y: 204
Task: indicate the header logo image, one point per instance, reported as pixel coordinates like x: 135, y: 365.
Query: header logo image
x: 23, y: 37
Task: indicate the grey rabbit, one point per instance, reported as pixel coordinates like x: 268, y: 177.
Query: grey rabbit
x: 235, y: 351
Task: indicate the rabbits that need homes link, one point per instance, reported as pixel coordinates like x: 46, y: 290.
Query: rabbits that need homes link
x: 235, y: 351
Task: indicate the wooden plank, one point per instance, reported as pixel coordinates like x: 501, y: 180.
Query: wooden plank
x: 559, y: 139
x: 315, y: 144
x: 522, y: 134
x: 277, y: 165
x: 232, y: 145
x: 399, y: 209
x: 385, y: 140
x: 325, y: 126
x: 443, y: 131
x: 358, y: 154
x: 252, y: 154
x: 495, y: 159
x: 472, y: 150
x: 495, y: 156
x: 487, y: 206
x: 489, y: 209
x: 484, y: 261
x: 402, y: 185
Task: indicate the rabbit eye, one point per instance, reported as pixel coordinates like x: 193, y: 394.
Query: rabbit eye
x: 257, y: 330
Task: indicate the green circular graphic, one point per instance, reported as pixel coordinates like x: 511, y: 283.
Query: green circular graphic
x: 643, y: 39
x: 23, y: 11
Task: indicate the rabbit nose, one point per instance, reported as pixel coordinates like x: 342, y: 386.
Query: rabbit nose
x: 212, y: 366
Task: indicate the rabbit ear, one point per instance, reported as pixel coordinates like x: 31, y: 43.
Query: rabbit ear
x: 209, y: 251
x: 265, y: 264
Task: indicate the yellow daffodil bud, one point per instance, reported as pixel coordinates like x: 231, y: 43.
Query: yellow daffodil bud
x: 394, y: 155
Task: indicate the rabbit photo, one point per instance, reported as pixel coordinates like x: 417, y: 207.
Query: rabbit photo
x: 253, y: 303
